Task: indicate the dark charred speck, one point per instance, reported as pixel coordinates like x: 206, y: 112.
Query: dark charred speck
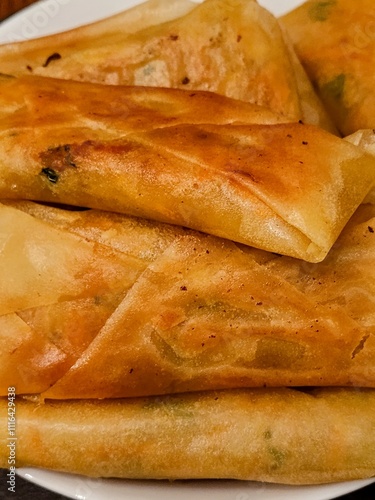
x: 53, y: 57
x: 202, y: 135
x: 185, y: 81
x: 51, y: 175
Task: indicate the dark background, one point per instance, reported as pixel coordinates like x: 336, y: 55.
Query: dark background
x: 8, y: 7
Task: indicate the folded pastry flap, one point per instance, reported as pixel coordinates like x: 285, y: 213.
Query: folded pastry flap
x: 43, y: 342
x: 345, y: 280
x: 40, y: 344
x: 141, y: 239
x: 243, y: 434
x: 29, y: 102
x: 206, y: 315
x: 290, y: 168
x: 41, y: 265
x: 232, y: 48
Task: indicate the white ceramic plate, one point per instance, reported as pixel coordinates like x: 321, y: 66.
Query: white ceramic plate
x: 46, y: 17
x: 83, y: 488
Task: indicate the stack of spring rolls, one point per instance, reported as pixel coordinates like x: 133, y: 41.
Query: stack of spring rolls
x: 187, y: 249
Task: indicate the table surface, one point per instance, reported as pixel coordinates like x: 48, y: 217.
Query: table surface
x: 29, y: 491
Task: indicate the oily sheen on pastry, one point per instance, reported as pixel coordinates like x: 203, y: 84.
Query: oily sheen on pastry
x: 239, y: 173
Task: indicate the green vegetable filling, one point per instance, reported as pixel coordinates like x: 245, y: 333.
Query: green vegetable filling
x: 321, y: 11
x: 335, y: 87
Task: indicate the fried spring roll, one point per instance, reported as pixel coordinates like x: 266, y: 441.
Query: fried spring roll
x: 335, y: 43
x: 214, y: 317
x: 284, y: 187
x: 197, y: 312
x: 245, y: 434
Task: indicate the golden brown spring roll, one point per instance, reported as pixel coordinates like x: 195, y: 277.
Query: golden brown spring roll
x: 231, y: 47
x: 214, y: 317
x: 244, y: 434
x: 287, y: 188
x: 335, y: 43
x: 195, y: 312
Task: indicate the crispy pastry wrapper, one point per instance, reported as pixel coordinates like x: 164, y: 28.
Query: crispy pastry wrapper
x: 231, y: 47
x: 239, y: 173
x: 335, y: 43
x: 365, y: 139
x: 274, y: 435
x: 63, y: 275
x: 187, y: 311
